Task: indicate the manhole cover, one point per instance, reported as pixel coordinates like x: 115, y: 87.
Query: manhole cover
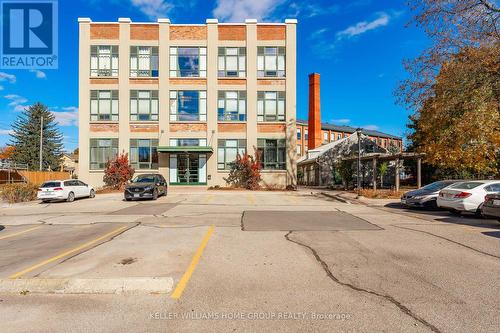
x: 303, y: 221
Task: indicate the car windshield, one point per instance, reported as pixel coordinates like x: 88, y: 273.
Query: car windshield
x: 436, y: 186
x: 51, y: 184
x: 144, y: 179
x: 466, y: 185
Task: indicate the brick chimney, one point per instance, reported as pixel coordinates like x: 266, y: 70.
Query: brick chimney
x: 314, y: 122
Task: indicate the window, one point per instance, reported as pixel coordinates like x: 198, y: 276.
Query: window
x: 232, y: 106
x: 227, y: 151
x: 306, y: 135
x: 104, y: 105
x: 298, y: 134
x: 232, y: 62
x: 325, y: 137
x: 188, y: 62
x: 144, y: 105
x: 188, y: 142
x: 299, y: 150
x: 339, y: 136
x: 103, y: 60
x: 101, y: 151
x: 493, y: 188
x: 270, y: 61
x: 271, y: 106
x: 144, y: 153
x: 144, y: 61
x: 272, y: 153
x: 188, y: 105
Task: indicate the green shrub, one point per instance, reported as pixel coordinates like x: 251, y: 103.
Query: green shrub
x: 19, y: 192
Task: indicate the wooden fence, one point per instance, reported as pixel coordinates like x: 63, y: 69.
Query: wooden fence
x: 38, y: 177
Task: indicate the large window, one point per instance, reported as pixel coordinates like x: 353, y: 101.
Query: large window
x: 298, y: 134
x: 270, y: 61
x: 272, y: 153
x: 104, y: 105
x: 144, y: 105
x: 101, y: 151
x: 188, y: 105
x: 103, y: 60
x: 188, y: 62
x: 144, y: 153
x: 227, y: 151
x: 271, y: 106
x: 232, y: 62
x: 144, y: 61
x: 188, y: 142
x: 232, y: 106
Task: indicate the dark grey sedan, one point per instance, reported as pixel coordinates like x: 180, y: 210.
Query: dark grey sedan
x: 426, y: 196
x: 146, y: 186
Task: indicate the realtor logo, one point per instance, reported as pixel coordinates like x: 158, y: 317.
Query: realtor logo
x: 29, y: 34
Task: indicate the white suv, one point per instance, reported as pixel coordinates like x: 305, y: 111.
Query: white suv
x: 64, y: 190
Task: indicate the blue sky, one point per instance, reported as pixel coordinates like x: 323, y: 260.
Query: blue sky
x: 357, y: 46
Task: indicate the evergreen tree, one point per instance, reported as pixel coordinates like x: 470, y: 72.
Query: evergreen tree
x: 26, y: 139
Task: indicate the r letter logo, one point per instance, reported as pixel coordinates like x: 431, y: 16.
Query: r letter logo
x: 29, y: 34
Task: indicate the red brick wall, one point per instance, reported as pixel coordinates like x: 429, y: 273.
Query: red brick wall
x: 143, y: 81
x: 188, y: 127
x: 232, y: 32
x: 103, y: 81
x: 104, y: 31
x: 315, y: 137
x: 144, y: 128
x: 232, y: 128
x: 188, y: 81
x: 232, y: 81
x: 104, y: 128
x: 271, y: 128
x: 271, y: 32
x: 184, y: 32
x: 144, y: 32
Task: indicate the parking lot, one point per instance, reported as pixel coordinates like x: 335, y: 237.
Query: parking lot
x: 245, y: 261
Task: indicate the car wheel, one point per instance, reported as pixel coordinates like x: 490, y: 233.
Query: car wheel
x: 45, y: 201
x: 479, y: 213
x: 128, y: 199
x: 71, y: 197
x: 92, y: 194
x: 431, y: 205
x: 155, y: 194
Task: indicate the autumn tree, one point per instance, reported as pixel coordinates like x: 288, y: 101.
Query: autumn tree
x: 118, y: 172
x: 245, y: 172
x: 453, y: 86
x: 6, y: 152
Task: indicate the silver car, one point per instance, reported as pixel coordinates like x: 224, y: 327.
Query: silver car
x: 426, y: 196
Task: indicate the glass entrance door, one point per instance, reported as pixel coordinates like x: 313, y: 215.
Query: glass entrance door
x: 188, y: 168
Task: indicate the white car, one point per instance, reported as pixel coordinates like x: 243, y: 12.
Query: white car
x: 64, y: 190
x: 467, y: 196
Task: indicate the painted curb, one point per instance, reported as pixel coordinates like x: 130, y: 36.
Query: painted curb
x: 159, y: 285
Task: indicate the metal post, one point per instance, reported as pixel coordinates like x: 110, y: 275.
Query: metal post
x: 375, y: 174
x: 41, y: 142
x: 397, y: 175
x: 419, y: 172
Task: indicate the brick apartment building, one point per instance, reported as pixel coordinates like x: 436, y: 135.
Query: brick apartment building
x: 312, y: 133
x: 183, y: 100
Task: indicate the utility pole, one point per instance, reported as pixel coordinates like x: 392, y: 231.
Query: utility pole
x: 358, y: 132
x: 41, y: 142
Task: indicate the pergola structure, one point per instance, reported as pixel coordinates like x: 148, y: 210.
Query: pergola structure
x: 397, y: 158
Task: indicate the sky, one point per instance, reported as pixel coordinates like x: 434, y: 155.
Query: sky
x: 357, y: 46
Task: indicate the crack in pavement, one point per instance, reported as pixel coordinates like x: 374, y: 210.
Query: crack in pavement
x: 389, y: 298
x: 447, y: 239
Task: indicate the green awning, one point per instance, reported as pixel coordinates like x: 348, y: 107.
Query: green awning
x: 185, y: 149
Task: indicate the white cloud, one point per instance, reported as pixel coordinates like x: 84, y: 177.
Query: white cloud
x: 7, y: 77
x: 68, y: 117
x: 364, y: 26
x: 371, y: 127
x: 39, y: 74
x: 239, y: 10
x: 341, y: 121
x: 318, y: 33
x: 6, y: 131
x: 1, y: 87
x: 17, y: 102
x: 308, y: 10
x: 153, y: 8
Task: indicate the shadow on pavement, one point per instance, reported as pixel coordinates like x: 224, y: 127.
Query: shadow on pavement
x: 495, y: 234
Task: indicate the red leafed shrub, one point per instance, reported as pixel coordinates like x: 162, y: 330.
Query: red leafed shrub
x: 245, y: 172
x: 118, y: 172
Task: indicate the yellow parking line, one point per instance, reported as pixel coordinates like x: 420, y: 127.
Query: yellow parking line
x: 194, y: 262
x: 66, y: 253
x: 209, y: 198
x: 19, y: 233
x: 251, y: 198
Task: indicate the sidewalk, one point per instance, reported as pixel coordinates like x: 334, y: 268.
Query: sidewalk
x: 351, y: 197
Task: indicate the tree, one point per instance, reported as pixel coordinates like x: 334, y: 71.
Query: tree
x: 245, y: 172
x: 118, y: 172
x: 26, y: 138
x: 6, y: 152
x: 344, y: 168
x: 382, y: 171
x: 453, y: 86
